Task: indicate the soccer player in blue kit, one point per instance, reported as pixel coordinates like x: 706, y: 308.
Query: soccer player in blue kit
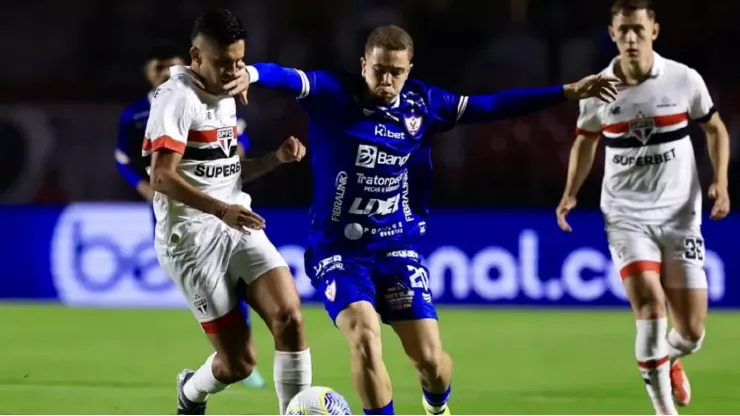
x: 132, y: 166
x: 369, y: 141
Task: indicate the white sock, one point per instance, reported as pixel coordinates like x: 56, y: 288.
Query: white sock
x: 678, y: 346
x: 203, y: 383
x: 292, y: 375
x: 651, y: 351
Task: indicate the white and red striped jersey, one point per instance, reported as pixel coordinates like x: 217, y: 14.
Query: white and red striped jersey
x: 202, y: 127
x: 650, y: 174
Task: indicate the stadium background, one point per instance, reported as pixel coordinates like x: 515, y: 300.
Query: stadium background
x: 535, y: 319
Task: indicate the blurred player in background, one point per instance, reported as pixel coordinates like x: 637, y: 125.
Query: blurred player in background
x: 207, y: 238
x: 131, y: 129
x: 370, y: 138
x: 651, y: 196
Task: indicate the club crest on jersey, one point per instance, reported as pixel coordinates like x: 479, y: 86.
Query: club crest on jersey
x: 413, y: 124
x: 226, y: 139
x: 642, y: 127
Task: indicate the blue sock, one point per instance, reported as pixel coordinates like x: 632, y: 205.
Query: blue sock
x: 385, y: 410
x: 245, y: 312
x: 437, y: 399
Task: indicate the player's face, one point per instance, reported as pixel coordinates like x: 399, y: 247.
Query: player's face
x: 385, y: 72
x: 217, y: 64
x: 157, y: 71
x: 634, y: 34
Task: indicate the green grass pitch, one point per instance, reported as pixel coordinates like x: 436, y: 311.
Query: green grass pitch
x: 89, y: 361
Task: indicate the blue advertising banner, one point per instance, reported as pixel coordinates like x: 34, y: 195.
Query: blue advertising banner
x: 102, y: 255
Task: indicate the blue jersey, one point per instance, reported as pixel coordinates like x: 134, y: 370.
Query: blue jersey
x: 131, y: 129
x: 371, y: 164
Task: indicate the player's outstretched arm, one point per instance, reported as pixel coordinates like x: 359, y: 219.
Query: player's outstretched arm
x: 520, y: 102
x: 292, y: 150
x: 298, y: 83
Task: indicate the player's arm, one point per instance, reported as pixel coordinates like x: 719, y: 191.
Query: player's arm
x: 581, y: 159
x: 242, y: 139
x: 292, y: 150
x: 125, y: 159
x: 298, y: 83
x: 718, y: 147
x: 169, y: 122
x: 702, y: 110
x: 463, y: 109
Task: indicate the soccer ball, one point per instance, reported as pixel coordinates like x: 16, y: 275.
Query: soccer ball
x: 318, y: 401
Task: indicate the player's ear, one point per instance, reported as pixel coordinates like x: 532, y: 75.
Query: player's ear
x: 362, y: 65
x: 612, y: 34
x: 656, y: 30
x: 195, y: 54
x: 411, y: 66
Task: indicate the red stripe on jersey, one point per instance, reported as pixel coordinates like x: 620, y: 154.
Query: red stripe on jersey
x: 208, y: 136
x: 163, y: 142
x: 660, y: 121
x: 586, y: 133
x: 653, y: 363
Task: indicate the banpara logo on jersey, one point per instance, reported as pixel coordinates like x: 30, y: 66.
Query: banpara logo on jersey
x: 369, y: 156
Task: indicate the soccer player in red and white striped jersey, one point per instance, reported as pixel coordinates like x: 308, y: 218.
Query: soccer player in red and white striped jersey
x: 651, y: 196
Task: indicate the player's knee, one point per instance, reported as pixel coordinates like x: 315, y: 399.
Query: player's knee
x: 695, y: 334
x: 428, y: 359
x: 234, y: 368
x: 287, y: 327
x: 648, y: 301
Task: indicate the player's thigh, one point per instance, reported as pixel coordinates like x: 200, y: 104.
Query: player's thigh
x: 637, y: 256
x: 341, y: 281
x: 358, y: 322
x: 267, y: 281
x: 213, y: 299
x: 685, y: 280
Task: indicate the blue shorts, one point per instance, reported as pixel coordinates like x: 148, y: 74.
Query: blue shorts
x: 394, y: 282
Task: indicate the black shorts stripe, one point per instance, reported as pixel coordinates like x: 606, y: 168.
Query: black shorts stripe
x: 656, y: 138
x: 216, y: 153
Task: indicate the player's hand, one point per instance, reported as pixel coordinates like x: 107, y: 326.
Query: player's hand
x: 239, y: 217
x: 292, y: 150
x: 565, y: 206
x: 240, y: 85
x: 603, y: 87
x: 721, y: 201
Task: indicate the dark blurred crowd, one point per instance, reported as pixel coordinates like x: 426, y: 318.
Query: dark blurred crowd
x: 87, y: 52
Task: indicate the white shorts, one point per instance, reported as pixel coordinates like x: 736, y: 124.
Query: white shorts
x: 207, y: 260
x: 675, y: 252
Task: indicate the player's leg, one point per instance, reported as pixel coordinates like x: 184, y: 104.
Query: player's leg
x: 349, y: 298
x: 215, y: 304
x: 255, y: 380
x: 638, y: 258
x: 271, y: 292
x: 685, y: 284
x: 405, y: 302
